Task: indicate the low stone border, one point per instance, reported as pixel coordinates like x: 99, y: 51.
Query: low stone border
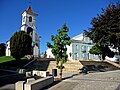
x: 32, y: 84
x: 37, y: 73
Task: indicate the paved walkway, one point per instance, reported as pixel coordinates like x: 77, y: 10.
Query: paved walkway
x: 92, y: 81
x: 75, y: 81
x: 8, y: 87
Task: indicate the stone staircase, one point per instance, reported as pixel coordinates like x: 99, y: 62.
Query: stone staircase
x: 46, y: 64
x: 69, y: 66
x: 50, y: 64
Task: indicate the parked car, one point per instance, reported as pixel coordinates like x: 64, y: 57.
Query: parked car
x: 113, y: 59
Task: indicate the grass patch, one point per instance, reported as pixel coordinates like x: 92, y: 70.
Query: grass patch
x: 10, y: 61
x: 6, y: 59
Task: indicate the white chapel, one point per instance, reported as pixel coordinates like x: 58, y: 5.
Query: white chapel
x: 29, y: 26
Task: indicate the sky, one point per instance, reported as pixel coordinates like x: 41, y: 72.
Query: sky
x: 52, y: 14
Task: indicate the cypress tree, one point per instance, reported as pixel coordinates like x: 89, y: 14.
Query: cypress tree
x: 20, y: 44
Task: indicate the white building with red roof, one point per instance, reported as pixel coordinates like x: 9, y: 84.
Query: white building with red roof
x: 29, y: 26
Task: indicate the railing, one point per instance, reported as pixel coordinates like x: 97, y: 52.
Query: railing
x: 29, y: 63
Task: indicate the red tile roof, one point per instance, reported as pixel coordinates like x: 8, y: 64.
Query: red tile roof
x: 29, y: 9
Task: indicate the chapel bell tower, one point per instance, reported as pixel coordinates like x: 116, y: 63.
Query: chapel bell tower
x: 29, y: 22
x: 29, y: 26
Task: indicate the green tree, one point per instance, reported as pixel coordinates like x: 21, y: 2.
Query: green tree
x: 105, y: 30
x: 20, y: 45
x: 59, y: 49
x: 99, y: 50
x: 2, y: 49
x: 96, y: 50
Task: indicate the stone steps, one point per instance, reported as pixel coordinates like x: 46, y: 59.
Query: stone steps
x: 70, y: 66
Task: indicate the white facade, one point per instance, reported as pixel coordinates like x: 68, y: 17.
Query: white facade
x: 49, y: 53
x: 36, y: 51
x: 29, y: 26
x: 69, y: 52
x: 8, y: 53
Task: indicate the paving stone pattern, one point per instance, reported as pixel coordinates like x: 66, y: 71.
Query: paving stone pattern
x: 75, y: 81
x: 92, y: 81
x: 64, y: 86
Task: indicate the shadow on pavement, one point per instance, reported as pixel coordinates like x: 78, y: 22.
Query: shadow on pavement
x: 11, y: 79
x: 118, y: 88
x: 49, y: 86
x: 71, y: 76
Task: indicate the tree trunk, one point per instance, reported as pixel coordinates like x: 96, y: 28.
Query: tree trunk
x: 60, y: 73
x: 103, y: 56
x: 61, y: 67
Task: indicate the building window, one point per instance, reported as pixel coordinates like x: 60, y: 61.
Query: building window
x: 76, y: 56
x: 83, y: 55
x: 86, y: 39
x: 82, y: 48
x: 76, y: 47
x: 30, y: 19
